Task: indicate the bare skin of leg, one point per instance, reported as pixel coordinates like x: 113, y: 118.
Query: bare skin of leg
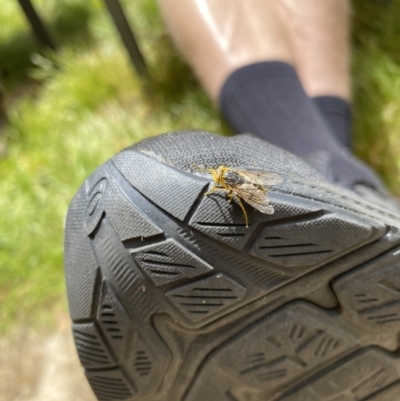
x: 319, y: 33
x: 218, y: 37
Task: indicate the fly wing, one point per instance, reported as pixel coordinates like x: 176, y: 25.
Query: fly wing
x: 260, y: 177
x: 255, y: 197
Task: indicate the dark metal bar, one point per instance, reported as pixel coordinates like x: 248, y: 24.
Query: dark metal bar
x: 115, y: 9
x: 36, y: 24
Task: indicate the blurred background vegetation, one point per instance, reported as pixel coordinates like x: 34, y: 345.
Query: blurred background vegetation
x: 70, y: 111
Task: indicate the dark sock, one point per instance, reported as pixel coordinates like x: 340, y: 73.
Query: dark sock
x: 337, y: 114
x: 268, y: 100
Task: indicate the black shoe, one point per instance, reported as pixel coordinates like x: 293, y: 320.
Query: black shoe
x: 174, y: 299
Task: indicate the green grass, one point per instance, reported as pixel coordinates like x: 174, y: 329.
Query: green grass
x: 376, y: 77
x: 81, y: 106
x: 72, y: 110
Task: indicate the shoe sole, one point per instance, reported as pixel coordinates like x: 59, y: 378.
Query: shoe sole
x: 173, y: 298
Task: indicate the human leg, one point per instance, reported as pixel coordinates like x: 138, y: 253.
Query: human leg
x: 260, y: 94
x: 218, y: 37
x: 319, y: 35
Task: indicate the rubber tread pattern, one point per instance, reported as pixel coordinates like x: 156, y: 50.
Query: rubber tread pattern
x: 353, y: 380
x: 110, y: 385
x: 105, y: 198
x: 277, y: 350
x: 113, y: 320
x: 371, y: 295
x: 206, y: 297
x: 390, y: 393
x: 170, y: 189
x: 284, y: 244
x: 92, y: 351
x: 174, y: 299
x: 169, y: 262
x: 224, y: 221
x: 82, y: 266
x: 119, y: 270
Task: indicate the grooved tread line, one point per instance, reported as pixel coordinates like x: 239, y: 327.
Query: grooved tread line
x: 203, y: 296
x: 212, y: 289
x: 159, y: 263
x: 267, y: 364
x: 84, y: 341
x: 157, y: 253
x: 196, y: 203
x: 309, y: 341
x: 231, y: 234
x: 286, y: 220
x: 97, y: 283
x: 286, y: 246
x: 298, y: 254
x: 377, y: 308
x: 163, y: 273
x: 222, y: 225
x: 389, y: 286
x: 142, y: 242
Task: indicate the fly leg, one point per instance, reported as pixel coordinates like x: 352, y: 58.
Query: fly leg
x: 243, y: 210
x: 213, y: 189
x: 230, y: 196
